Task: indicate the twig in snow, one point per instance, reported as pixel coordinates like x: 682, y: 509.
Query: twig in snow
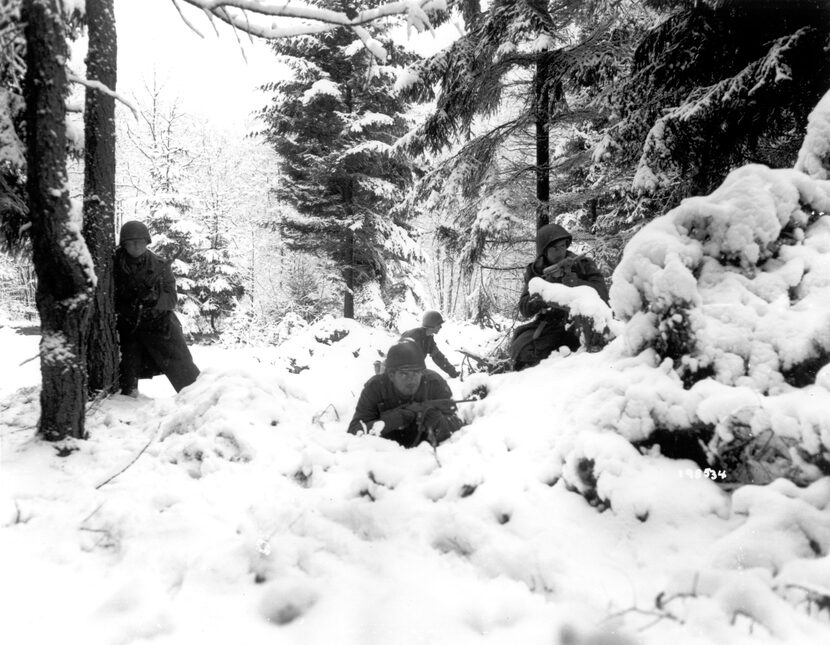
x: 88, y: 517
x: 132, y: 461
x: 317, y: 417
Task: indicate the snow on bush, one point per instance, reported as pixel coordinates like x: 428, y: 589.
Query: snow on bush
x: 814, y: 156
x: 582, y: 301
x: 731, y: 292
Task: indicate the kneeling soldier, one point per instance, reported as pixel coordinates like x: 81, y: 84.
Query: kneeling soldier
x: 414, y: 403
x: 424, y: 338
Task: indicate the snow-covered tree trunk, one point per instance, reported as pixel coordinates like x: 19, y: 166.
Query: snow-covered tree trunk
x: 62, y: 263
x: 99, y: 193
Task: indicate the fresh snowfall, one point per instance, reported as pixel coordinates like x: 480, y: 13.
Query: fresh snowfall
x: 240, y: 510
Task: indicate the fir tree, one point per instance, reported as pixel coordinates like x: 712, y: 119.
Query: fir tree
x: 714, y: 86
x: 502, y: 93
x: 645, y: 109
x: 334, y: 123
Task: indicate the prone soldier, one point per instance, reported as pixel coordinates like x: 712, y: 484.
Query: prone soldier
x: 407, y: 403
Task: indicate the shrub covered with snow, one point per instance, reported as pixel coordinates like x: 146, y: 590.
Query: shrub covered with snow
x: 730, y: 295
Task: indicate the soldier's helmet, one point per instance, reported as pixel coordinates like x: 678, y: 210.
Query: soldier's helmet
x: 549, y: 234
x: 432, y: 319
x: 404, y: 356
x: 134, y: 230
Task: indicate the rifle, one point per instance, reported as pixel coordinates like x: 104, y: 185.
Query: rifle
x: 421, y: 407
x: 444, y: 405
x: 560, y: 269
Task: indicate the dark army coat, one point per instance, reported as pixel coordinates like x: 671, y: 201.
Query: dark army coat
x: 586, y: 272
x: 547, y: 332
x: 426, y: 343
x: 150, y: 334
x: 380, y: 401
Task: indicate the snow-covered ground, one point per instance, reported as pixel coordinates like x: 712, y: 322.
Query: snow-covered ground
x: 251, y: 516
x: 241, y: 511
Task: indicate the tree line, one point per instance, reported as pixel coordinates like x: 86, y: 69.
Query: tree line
x: 600, y: 115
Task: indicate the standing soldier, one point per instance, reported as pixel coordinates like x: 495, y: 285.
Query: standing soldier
x: 424, y: 338
x: 149, y: 332
x: 407, y: 403
x: 549, y: 331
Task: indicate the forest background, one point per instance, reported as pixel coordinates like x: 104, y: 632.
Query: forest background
x: 376, y: 181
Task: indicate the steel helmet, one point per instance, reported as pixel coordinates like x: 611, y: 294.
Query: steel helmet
x: 432, y: 319
x: 133, y: 230
x: 404, y: 356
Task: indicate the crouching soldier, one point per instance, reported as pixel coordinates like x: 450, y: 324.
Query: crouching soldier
x: 424, y: 338
x: 413, y: 403
x: 149, y: 332
x: 549, y: 331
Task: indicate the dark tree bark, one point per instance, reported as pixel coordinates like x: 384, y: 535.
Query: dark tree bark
x: 99, y: 194
x: 64, y: 269
x: 348, y: 276
x: 350, y: 254
x: 542, y: 99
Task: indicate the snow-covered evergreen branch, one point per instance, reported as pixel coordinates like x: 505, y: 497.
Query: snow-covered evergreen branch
x: 313, y: 19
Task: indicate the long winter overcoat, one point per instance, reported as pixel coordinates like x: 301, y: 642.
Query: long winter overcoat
x: 150, y: 334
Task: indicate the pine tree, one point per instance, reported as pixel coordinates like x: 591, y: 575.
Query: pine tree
x: 334, y: 123
x: 159, y: 175
x: 13, y: 208
x: 505, y: 96
x: 214, y: 180
x: 714, y: 86
x: 643, y: 111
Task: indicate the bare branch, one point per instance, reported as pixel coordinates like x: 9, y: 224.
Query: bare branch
x: 307, y: 19
x: 236, y: 33
x: 185, y: 20
x: 97, y: 85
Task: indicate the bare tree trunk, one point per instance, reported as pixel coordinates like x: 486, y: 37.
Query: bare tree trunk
x: 62, y: 263
x: 542, y: 95
x: 348, y: 276
x: 99, y: 194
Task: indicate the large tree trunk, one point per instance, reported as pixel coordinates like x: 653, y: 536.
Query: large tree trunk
x: 64, y: 269
x: 99, y: 194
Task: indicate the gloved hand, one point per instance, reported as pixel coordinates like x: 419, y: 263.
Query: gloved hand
x: 535, y: 304
x: 436, y: 426
x: 453, y: 373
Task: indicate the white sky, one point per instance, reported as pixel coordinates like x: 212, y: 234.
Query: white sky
x: 210, y: 74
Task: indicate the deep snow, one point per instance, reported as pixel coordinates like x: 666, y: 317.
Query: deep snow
x: 253, y: 517
x: 240, y: 510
